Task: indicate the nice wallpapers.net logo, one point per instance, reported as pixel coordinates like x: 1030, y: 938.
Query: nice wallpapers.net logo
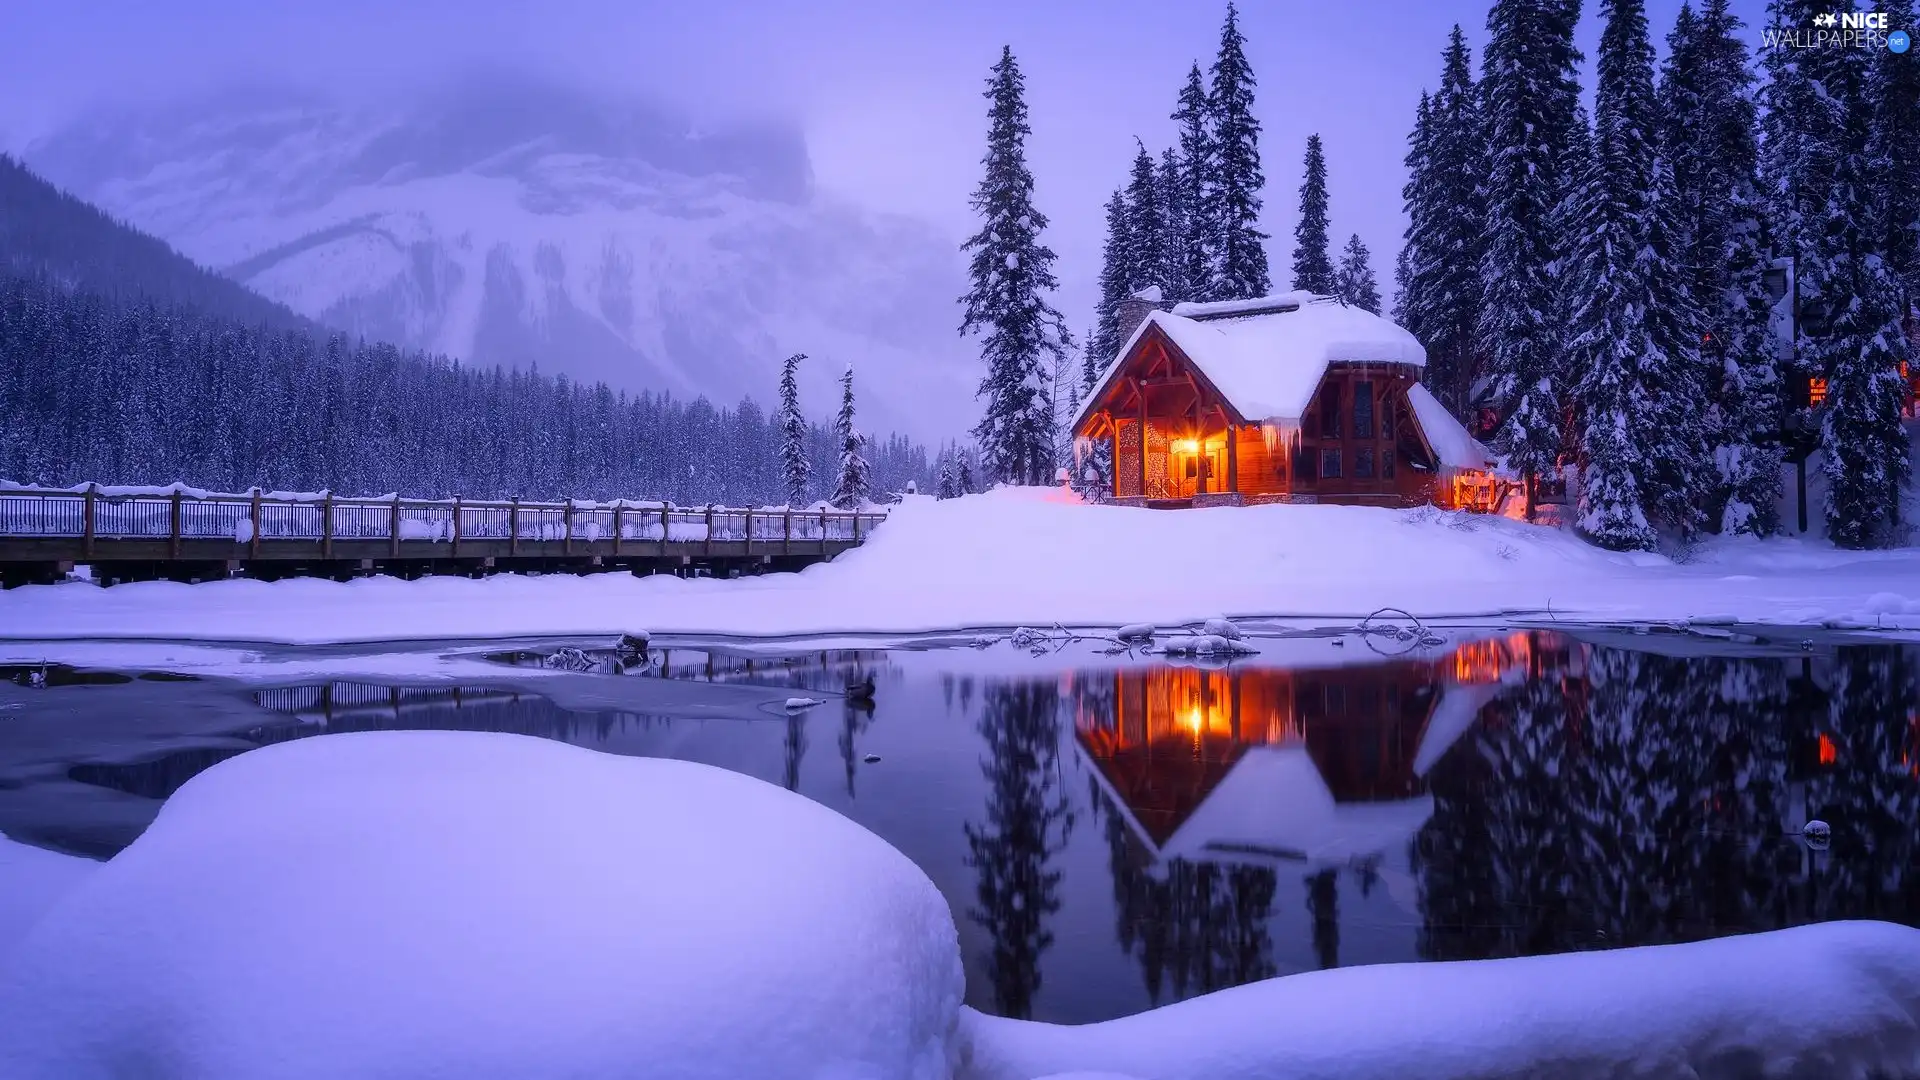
x: 1840, y: 30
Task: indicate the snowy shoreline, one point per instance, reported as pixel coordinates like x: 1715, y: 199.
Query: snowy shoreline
x: 1033, y: 557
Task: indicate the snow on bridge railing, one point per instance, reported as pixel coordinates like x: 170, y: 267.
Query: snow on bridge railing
x: 176, y: 512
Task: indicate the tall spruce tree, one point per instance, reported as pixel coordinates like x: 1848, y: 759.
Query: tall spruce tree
x: 793, y: 433
x: 1312, y: 264
x: 1239, y: 267
x: 1199, y: 197
x: 1410, y: 301
x: 1012, y: 273
x: 1354, y: 283
x: 1621, y: 367
x: 1711, y: 138
x: 1175, y: 230
x: 1894, y: 152
x: 1449, y: 208
x: 1530, y: 98
x: 1116, y: 270
x: 1867, y: 456
x: 856, y: 476
x: 1146, y: 225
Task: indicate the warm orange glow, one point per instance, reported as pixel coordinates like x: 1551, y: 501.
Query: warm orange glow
x: 1481, y: 662
x: 1829, y: 753
x: 1186, y: 446
x: 1473, y: 490
x: 1816, y: 390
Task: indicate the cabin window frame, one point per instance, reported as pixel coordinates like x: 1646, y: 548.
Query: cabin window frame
x: 1363, y: 409
x: 1330, y: 463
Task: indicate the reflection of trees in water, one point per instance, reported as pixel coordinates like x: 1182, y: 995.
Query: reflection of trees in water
x: 855, y: 716
x: 1201, y: 926
x: 796, y: 748
x: 1027, y: 823
x: 1323, y: 903
x: 1646, y: 798
x: 1870, y: 795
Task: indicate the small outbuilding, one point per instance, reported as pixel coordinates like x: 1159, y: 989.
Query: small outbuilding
x: 1288, y: 398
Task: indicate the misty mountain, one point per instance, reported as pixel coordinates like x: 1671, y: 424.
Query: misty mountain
x: 506, y: 221
x: 47, y: 233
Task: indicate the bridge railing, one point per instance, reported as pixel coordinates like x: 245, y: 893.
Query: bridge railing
x: 105, y: 513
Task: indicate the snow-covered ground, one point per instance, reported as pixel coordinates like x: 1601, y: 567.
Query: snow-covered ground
x: 31, y: 880
x: 1016, y: 557
x: 440, y: 904
x: 1816, y: 1002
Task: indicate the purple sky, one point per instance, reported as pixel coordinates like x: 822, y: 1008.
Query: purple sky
x: 888, y: 92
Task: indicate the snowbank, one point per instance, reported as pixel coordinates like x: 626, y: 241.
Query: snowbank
x: 31, y: 880
x: 1837, y: 1000
x: 415, y: 904
x: 1028, y: 557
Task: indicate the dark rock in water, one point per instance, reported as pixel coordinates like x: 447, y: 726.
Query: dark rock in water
x: 572, y: 659
x: 1818, y: 834
x: 871, y: 759
x: 861, y: 690
x: 634, y: 643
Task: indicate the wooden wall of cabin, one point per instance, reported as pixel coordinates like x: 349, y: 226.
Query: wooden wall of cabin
x: 1261, y: 471
x: 1372, y: 455
x: 1126, y: 459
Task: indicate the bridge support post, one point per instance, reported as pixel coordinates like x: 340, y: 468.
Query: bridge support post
x: 566, y: 533
x: 708, y: 550
x: 456, y: 526
x: 253, y: 517
x: 513, y: 526
x: 87, y: 525
x: 173, y: 529
x: 326, y: 524
x: 617, y: 507
x: 393, y: 542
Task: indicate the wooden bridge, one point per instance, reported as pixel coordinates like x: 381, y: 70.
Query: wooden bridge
x: 181, y: 534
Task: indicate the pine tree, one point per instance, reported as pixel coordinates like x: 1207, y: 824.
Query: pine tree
x: 1894, y: 153
x: 1410, y: 301
x: 1716, y: 160
x: 1198, y: 197
x: 1453, y: 239
x: 1012, y: 272
x: 965, y: 478
x: 1239, y: 269
x: 793, y: 433
x: 1529, y: 94
x: 949, y: 482
x: 1115, y: 271
x: 1603, y: 291
x: 1867, y: 456
x: 1175, y: 229
x: 1146, y: 225
x: 1354, y: 282
x: 1312, y: 266
x: 855, y: 474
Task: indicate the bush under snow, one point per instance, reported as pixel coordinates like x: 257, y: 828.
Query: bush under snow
x: 437, y: 904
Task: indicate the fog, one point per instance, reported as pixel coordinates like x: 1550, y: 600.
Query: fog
x: 887, y: 94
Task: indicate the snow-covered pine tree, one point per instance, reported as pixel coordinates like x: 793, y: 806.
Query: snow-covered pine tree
x: 1115, y: 271
x: 1453, y: 236
x: 1354, y: 282
x: 1146, y: 224
x: 949, y: 480
x: 1867, y: 456
x: 1894, y: 153
x: 1312, y: 263
x: 965, y: 479
x: 1172, y: 277
x: 855, y: 475
x: 1606, y: 291
x: 1410, y: 303
x: 1198, y: 197
x: 1719, y: 158
x: 1240, y: 257
x: 794, y: 467
x: 1804, y: 129
x: 1527, y: 71
x: 1012, y: 273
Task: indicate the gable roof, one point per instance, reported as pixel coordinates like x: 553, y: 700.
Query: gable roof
x: 1449, y: 439
x: 1267, y: 356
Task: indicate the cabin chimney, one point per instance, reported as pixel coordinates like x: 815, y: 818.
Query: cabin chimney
x: 1134, y: 310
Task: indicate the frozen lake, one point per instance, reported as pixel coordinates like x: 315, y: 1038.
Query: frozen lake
x: 1116, y: 830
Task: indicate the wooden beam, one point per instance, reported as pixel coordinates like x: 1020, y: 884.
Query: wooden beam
x: 1143, y: 446
x: 1233, y: 471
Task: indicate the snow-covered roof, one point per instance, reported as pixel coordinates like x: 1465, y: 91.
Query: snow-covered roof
x: 1452, y: 444
x: 1274, y: 805
x: 1266, y: 356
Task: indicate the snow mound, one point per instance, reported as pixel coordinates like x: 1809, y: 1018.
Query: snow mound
x: 441, y: 904
x: 1831, y: 1000
x: 31, y: 880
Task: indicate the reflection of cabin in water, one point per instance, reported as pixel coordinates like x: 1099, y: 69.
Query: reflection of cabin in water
x: 1289, y: 398
x: 1311, y: 766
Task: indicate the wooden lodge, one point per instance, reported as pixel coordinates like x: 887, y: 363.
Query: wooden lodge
x: 1288, y: 398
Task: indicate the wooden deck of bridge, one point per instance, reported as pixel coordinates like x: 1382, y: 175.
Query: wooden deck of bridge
x: 184, y: 535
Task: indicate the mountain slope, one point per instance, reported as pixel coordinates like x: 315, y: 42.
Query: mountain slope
x: 47, y: 232
x: 508, y: 222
